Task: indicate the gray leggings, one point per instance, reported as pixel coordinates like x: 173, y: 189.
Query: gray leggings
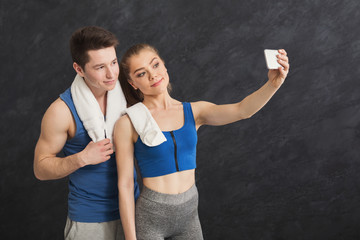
x: 167, y: 216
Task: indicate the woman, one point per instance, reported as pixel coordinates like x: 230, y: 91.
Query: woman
x: 167, y: 206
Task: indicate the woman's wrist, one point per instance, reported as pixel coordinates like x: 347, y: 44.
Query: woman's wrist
x: 273, y: 85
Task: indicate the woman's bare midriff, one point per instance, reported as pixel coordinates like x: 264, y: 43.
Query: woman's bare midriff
x: 174, y: 183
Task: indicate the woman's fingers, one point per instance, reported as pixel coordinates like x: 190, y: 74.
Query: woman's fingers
x: 285, y: 64
x: 283, y: 57
x: 282, y: 51
x: 283, y: 60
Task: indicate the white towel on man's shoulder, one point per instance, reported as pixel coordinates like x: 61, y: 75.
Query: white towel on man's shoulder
x: 90, y: 113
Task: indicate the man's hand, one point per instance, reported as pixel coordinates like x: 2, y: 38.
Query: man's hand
x: 96, y: 153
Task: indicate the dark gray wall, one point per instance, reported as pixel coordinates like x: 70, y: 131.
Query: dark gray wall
x: 289, y: 172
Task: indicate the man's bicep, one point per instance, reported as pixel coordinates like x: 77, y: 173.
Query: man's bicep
x: 54, y: 130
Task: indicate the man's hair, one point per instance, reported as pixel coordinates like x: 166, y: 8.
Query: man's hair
x: 90, y: 38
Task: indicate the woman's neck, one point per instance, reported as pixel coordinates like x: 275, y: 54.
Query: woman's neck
x: 162, y: 101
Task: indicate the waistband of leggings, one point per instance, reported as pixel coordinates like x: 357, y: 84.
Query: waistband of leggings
x: 180, y: 198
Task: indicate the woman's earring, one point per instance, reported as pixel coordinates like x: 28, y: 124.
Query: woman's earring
x: 135, y: 88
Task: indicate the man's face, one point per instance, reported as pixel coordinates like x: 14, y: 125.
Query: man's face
x: 102, y: 70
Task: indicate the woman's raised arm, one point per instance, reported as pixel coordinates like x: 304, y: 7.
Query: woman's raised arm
x: 206, y: 113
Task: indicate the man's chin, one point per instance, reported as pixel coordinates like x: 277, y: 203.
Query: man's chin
x: 109, y: 88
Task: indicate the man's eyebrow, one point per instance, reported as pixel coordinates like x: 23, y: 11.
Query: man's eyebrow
x: 100, y: 64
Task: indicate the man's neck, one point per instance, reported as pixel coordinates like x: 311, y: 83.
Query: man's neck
x: 101, y: 98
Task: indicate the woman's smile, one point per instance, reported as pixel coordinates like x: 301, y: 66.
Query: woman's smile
x: 157, y: 83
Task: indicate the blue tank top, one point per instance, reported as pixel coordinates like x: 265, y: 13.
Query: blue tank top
x: 93, y: 192
x: 178, y: 153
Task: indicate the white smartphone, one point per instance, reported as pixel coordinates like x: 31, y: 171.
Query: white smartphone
x: 271, y: 59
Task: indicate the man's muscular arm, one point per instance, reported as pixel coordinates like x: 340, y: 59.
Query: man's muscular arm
x: 54, y: 133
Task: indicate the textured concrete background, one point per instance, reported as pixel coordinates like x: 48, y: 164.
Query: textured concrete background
x: 289, y: 172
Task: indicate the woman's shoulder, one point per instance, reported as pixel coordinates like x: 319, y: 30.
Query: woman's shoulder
x: 124, y: 119
x: 200, y: 105
x: 124, y: 128
x: 123, y: 124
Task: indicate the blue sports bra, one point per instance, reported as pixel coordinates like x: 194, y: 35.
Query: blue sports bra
x: 176, y: 154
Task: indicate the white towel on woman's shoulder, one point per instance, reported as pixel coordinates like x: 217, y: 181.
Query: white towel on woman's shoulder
x: 145, y: 125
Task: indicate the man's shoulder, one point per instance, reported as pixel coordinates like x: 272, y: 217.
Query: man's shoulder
x: 58, y: 110
x: 59, y: 105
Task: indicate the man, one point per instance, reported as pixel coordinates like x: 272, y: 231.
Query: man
x: 93, y: 195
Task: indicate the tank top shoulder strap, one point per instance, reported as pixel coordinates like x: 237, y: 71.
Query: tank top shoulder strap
x: 188, y: 114
x: 67, y: 98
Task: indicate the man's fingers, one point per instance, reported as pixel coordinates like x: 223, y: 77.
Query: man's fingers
x: 104, y: 141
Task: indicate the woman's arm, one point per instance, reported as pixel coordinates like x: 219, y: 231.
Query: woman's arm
x: 206, y: 113
x: 124, y: 152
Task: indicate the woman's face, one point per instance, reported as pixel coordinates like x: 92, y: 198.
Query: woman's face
x: 148, y: 73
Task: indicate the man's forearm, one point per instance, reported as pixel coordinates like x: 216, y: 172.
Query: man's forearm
x: 51, y: 168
